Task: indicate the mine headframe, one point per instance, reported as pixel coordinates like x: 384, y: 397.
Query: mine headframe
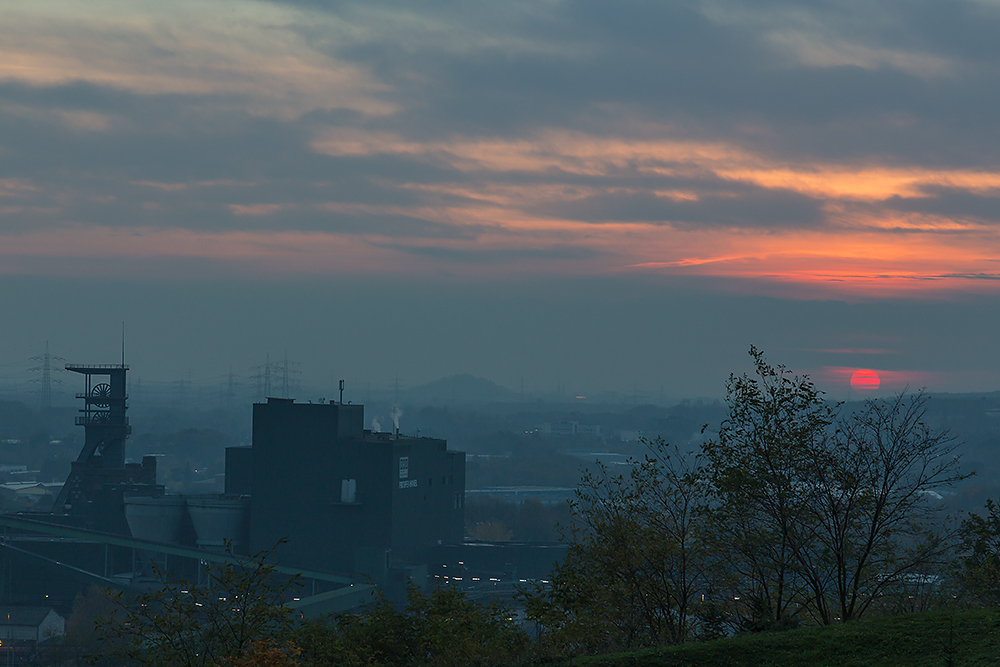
x: 106, y: 428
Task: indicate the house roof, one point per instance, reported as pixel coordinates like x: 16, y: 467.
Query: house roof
x: 29, y: 616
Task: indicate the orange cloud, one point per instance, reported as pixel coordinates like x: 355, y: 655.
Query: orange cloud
x: 863, y: 183
x: 854, y: 251
x: 847, y: 263
x: 831, y: 260
x: 15, y: 186
x: 255, y: 209
x: 578, y: 153
x: 184, y: 49
x: 850, y: 262
x: 570, y: 152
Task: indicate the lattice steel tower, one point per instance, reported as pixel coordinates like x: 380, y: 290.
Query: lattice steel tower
x: 46, y: 380
x: 106, y: 428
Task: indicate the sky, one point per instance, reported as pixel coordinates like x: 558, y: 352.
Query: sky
x: 593, y: 196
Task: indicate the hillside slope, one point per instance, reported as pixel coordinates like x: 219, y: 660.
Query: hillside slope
x: 939, y: 639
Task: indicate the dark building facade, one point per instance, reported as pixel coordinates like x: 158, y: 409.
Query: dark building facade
x: 346, y: 500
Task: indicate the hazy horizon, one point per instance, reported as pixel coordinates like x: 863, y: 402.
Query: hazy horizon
x: 585, y: 336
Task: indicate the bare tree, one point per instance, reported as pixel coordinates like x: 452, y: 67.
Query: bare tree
x: 876, y: 521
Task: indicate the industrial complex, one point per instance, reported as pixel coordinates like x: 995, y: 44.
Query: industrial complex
x: 341, y: 507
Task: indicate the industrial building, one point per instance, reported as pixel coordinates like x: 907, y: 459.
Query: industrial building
x: 340, y: 505
x: 347, y: 500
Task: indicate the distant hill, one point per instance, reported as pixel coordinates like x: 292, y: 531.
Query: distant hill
x: 460, y: 389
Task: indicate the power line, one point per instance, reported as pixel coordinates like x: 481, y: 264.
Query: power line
x: 46, y: 380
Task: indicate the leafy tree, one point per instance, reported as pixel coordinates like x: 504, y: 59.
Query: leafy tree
x: 492, y: 531
x: 81, y: 644
x: 491, y: 518
x: 979, y: 566
x: 443, y: 628
x: 239, y: 619
x: 760, y: 466
x: 796, y: 510
x: 634, y: 568
x: 823, y: 511
x: 238, y: 613
x: 489, y: 509
x: 265, y: 653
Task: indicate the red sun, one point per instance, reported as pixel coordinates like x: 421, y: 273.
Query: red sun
x: 865, y: 381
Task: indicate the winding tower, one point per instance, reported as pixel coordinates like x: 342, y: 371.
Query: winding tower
x: 101, y: 463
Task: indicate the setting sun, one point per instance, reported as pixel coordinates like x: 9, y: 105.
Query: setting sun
x: 865, y: 381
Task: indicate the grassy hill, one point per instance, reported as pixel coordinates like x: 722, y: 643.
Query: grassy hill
x: 939, y: 639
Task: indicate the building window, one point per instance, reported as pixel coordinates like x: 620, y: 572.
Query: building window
x: 348, y: 490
